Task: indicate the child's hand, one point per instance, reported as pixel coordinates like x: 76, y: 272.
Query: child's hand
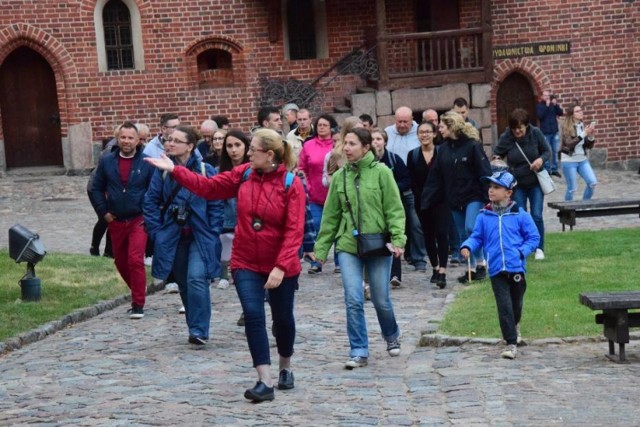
x: 465, y: 253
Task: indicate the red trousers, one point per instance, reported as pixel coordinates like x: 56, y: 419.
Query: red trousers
x: 129, y: 240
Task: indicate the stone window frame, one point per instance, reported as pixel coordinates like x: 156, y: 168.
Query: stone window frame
x: 136, y: 35
x: 322, y: 39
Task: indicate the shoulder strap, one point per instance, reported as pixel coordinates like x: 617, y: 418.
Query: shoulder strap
x: 245, y: 175
x: 415, y: 156
x: 348, y: 203
x: 288, y: 178
x: 523, y: 155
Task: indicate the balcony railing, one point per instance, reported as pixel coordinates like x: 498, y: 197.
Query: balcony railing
x: 435, y: 57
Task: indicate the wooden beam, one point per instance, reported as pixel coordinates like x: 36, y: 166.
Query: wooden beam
x: 381, y: 24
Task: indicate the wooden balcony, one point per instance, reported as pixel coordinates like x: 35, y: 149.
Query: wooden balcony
x: 434, y: 59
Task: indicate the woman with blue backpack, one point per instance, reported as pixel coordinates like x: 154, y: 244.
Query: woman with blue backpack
x: 268, y: 235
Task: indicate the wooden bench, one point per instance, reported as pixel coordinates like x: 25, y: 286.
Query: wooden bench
x: 615, y: 317
x: 569, y: 211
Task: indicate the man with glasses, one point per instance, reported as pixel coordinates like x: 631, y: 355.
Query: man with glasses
x: 207, y: 129
x: 155, y: 147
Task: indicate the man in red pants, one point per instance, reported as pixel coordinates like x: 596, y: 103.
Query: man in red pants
x: 118, y: 190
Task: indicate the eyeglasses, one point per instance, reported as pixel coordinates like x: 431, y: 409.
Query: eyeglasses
x: 176, y: 140
x: 253, y: 150
x: 170, y: 127
x: 218, y: 138
x: 425, y: 132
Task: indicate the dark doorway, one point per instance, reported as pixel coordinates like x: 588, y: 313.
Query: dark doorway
x: 514, y: 92
x: 437, y: 15
x: 30, y: 115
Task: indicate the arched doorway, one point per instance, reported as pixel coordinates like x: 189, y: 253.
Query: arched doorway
x: 514, y: 91
x: 30, y: 114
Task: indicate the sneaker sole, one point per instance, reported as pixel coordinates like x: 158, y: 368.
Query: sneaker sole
x: 136, y: 316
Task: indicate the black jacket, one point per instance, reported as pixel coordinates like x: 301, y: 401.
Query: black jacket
x: 457, y: 170
x: 399, y: 169
x: 533, y: 144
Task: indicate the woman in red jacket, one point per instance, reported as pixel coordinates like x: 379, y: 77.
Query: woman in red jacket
x: 269, y: 230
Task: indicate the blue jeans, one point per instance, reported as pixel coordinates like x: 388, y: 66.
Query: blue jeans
x: 316, y: 215
x: 465, y: 220
x: 250, y: 290
x: 553, y: 140
x: 571, y: 170
x: 536, y: 202
x: 417, y: 250
x: 509, y: 297
x: 190, y: 275
x: 378, y: 269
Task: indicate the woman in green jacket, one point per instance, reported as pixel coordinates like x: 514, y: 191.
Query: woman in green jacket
x: 363, y: 198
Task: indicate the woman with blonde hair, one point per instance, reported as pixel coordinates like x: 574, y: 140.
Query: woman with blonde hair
x: 270, y: 214
x: 576, y: 140
x: 456, y: 173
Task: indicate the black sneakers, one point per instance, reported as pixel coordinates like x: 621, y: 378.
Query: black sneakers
x: 479, y: 274
x: 197, y: 340
x: 441, y: 280
x: 285, y: 379
x: 259, y: 393
x: 135, y: 312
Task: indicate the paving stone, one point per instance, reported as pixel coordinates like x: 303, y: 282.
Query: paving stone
x: 110, y: 371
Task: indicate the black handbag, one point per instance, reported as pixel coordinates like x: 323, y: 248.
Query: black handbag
x: 369, y: 244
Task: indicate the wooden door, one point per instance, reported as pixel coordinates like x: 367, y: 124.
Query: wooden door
x: 29, y: 106
x: 514, y: 92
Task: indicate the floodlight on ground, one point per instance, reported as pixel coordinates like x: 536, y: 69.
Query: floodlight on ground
x: 25, y: 246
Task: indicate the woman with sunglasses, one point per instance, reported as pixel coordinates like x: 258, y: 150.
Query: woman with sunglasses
x: 271, y: 214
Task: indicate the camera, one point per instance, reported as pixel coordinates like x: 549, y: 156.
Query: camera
x: 180, y: 214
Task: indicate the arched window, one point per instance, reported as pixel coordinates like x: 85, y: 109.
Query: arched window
x: 117, y: 35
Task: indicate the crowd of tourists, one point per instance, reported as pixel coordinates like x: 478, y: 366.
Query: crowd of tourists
x: 215, y: 206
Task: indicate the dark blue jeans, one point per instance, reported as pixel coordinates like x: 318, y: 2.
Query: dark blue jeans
x: 509, y: 295
x: 535, y: 196
x: 250, y: 289
x: 189, y: 271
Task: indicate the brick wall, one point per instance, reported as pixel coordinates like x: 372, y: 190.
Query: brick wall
x: 602, y: 70
x: 63, y: 32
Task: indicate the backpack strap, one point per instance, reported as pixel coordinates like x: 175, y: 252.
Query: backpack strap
x: 415, y: 155
x: 288, y: 178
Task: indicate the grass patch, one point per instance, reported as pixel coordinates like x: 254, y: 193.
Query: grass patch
x: 576, y: 262
x: 69, y: 282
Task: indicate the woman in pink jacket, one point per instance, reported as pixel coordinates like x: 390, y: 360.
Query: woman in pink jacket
x: 311, y: 163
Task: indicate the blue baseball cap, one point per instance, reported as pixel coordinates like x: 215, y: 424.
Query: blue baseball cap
x: 501, y: 178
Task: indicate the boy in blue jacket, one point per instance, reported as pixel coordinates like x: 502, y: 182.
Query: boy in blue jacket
x: 508, y: 235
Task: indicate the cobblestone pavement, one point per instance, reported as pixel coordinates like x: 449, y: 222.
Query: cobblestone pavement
x: 112, y: 371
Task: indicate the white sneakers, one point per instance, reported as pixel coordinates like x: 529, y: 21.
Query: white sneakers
x: 519, y: 335
x: 148, y: 261
x: 223, y: 284
x: 171, y: 288
x: 510, y: 352
x: 539, y: 254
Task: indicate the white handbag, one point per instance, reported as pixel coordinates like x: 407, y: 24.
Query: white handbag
x: 544, y: 179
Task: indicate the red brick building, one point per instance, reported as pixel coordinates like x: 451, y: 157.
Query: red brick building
x: 70, y: 70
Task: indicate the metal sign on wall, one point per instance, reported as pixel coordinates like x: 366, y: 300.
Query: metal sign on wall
x: 531, y: 49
